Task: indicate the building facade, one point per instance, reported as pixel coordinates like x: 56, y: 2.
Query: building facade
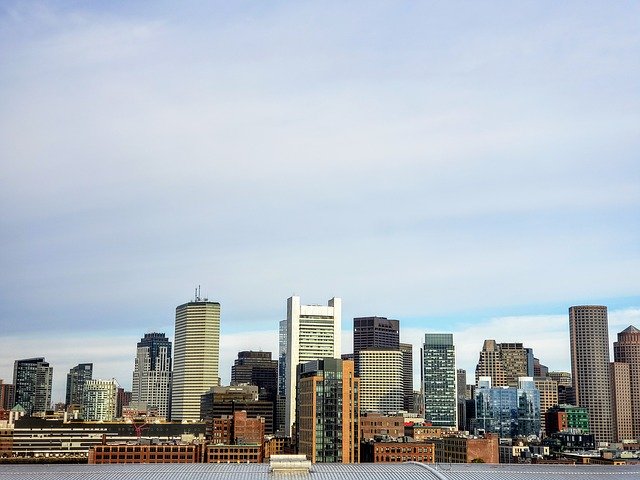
x: 310, y: 332
x: 196, y: 356
x: 100, y: 400
x: 151, y: 386
x: 548, y: 389
x: 589, y: 342
x: 381, y: 381
x: 507, y: 411
x: 76, y: 378
x: 627, y: 350
x: 328, y: 411
x: 407, y: 376
x: 439, y: 380
x: 374, y: 332
x: 32, y: 380
x: 621, y: 401
x: 504, y: 363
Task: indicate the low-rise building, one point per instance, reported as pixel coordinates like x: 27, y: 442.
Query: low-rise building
x: 375, y: 424
x: 467, y: 449
x: 139, y: 453
x: 397, y: 452
x: 233, y: 454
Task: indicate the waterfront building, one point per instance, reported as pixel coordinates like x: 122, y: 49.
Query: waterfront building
x: 32, y: 380
x: 100, y: 400
x: 76, y: 379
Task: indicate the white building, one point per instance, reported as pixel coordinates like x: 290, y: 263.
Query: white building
x: 100, y: 400
x: 196, y: 356
x: 381, y: 381
x: 151, y: 386
x: 312, y: 332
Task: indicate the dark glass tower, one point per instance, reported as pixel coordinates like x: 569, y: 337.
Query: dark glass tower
x: 32, y: 379
x: 76, y: 379
x: 374, y: 332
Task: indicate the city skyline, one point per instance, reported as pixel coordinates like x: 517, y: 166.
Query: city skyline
x: 466, y: 168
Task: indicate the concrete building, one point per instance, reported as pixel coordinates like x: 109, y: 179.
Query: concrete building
x: 32, y: 379
x: 439, y: 380
x: 504, y: 363
x: 328, y: 411
x: 100, y: 400
x: 589, y: 342
x: 407, y: 376
x: 381, y: 381
x: 309, y: 332
x: 627, y: 350
x: 196, y: 356
x: 548, y: 389
x: 76, y: 378
x: 507, y: 411
x: 151, y: 386
x: 621, y: 401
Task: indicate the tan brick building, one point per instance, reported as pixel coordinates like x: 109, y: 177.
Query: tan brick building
x: 372, y: 424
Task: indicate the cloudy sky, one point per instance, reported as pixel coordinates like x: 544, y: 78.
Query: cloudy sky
x: 469, y: 167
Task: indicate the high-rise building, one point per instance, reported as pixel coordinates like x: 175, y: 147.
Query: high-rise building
x: 621, y: 401
x: 461, y: 392
x: 328, y: 414
x: 381, y: 381
x: 509, y: 412
x: 76, y: 378
x: 196, y: 356
x: 627, y: 350
x: 100, y: 400
x: 589, y: 341
x: 151, y: 386
x: 374, y: 332
x: 504, y: 363
x: 7, y: 395
x: 548, y: 389
x: 32, y: 379
x: 257, y: 368
x: 407, y: 376
x: 439, y: 380
x: 312, y: 332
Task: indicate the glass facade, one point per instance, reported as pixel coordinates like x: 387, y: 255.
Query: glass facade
x: 439, y: 379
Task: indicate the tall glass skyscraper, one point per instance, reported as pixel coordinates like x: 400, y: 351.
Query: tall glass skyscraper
x: 196, y: 356
x: 439, y: 379
x: 32, y: 379
x: 151, y: 387
x: 76, y: 379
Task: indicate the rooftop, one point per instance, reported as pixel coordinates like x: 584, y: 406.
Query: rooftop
x: 408, y: 471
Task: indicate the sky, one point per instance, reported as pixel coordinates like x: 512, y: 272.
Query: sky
x: 466, y: 167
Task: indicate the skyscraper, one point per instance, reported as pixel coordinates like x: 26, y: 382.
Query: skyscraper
x: 504, y: 363
x: 32, y: 379
x: 381, y: 382
x: 621, y: 401
x: 312, y: 332
x: 100, y: 400
x: 151, y: 386
x: 196, y: 356
x: 439, y: 379
x: 76, y: 378
x: 589, y: 341
x: 407, y: 376
x: 374, y: 332
x: 328, y: 414
x: 627, y: 350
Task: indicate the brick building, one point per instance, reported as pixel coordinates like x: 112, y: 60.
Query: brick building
x: 372, y: 424
x: 467, y: 449
x: 397, y: 452
x: 161, y: 453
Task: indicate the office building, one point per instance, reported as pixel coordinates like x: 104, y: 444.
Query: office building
x: 76, y: 378
x: 328, y: 411
x: 151, y: 386
x: 439, y: 380
x: 548, y: 389
x: 374, y: 332
x: 310, y: 332
x: 374, y: 425
x: 7, y: 395
x: 221, y: 402
x: 504, y: 363
x: 381, y: 381
x: 100, y: 399
x: 461, y: 391
x: 508, y: 412
x: 32, y: 379
x: 589, y: 342
x: 621, y: 401
x: 257, y: 368
x: 407, y: 376
x: 196, y: 356
x: 627, y: 350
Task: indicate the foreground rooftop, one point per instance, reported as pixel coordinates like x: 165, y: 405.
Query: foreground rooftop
x: 404, y: 471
